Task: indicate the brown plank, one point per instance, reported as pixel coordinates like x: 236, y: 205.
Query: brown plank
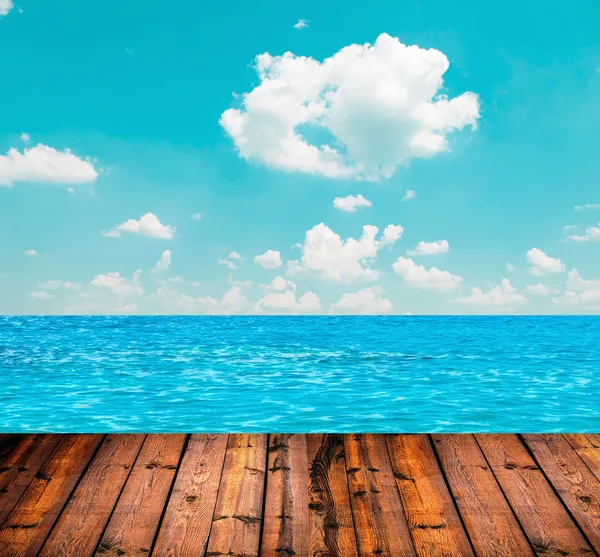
x: 330, y: 524
x: 186, y: 525
x: 587, y: 446
x: 381, y: 527
x: 238, y: 512
x: 433, y: 521
x: 82, y: 522
x: 135, y: 520
x: 20, y: 467
x: 541, y: 514
x: 285, y: 529
x: 490, y: 522
x: 28, y: 525
x: 8, y: 443
x: 577, y: 486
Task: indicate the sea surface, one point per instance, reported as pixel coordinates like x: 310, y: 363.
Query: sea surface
x: 300, y: 374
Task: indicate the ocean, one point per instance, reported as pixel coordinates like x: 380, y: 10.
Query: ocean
x: 299, y: 374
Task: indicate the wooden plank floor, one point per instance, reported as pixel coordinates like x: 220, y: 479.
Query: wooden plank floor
x: 282, y: 495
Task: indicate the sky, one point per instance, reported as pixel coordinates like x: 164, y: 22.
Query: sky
x: 299, y: 158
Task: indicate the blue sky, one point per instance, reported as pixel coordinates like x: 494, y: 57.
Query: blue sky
x: 136, y: 133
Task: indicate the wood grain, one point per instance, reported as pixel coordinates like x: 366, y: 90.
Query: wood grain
x: 490, y: 522
x: 330, y: 524
x: 238, y: 513
x: 28, y: 525
x: 186, y: 526
x: 379, y: 520
x: 587, y: 446
x: 433, y: 521
x: 285, y: 529
x: 135, y: 520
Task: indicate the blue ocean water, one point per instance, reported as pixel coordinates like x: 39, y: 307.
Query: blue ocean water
x: 300, y: 374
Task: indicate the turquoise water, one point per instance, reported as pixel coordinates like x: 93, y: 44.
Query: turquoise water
x: 300, y: 374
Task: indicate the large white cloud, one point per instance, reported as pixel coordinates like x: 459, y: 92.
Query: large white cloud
x: 430, y: 248
x: 45, y: 164
x: 542, y: 264
x: 367, y: 301
x: 269, y: 260
x: 421, y: 277
x: 351, y: 203
x: 5, y: 7
x: 504, y: 295
x: 147, y: 225
x: 380, y: 104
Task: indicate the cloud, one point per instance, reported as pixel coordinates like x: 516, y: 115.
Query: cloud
x: 367, y: 301
x: 41, y: 295
x: 421, y: 277
x: 50, y: 284
x: 345, y: 261
x: 25, y: 138
x: 163, y: 263
x: 119, y: 285
x: 430, y: 248
x: 587, y: 206
x: 351, y: 203
x: 229, y: 261
x: 148, y: 225
x: 279, y: 284
x: 32, y: 253
x: 197, y: 216
x: 301, y: 24
x: 540, y: 289
x: 409, y: 195
x: 5, y: 7
x: 510, y: 267
x: 280, y: 297
x: 592, y: 234
x: 504, y: 295
x: 581, y: 291
x: 269, y: 260
x: 381, y: 105
x: 46, y: 165
x: 543, y: 264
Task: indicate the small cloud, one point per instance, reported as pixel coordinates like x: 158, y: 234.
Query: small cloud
x: 269, y: 260
x: 229, y: 261
x: 587, y: 206
x: 510, y: 267
x: 543, y: 264
x: 409, y: 195
x: 234, y: 255
x: 351, y: 203
x: 147, y: 225
x: 176, y: 279
x: 430, y: 248
x: 569, y: 227
x: 41, y: 295
x: 592, y: 234
x: 25, y: 137
x: 163, y: 263
x: 197, y: 216
x: 301, y: 24
x: 32, y: 253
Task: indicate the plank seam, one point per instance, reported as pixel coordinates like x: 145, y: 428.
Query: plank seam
x: 264, y: 498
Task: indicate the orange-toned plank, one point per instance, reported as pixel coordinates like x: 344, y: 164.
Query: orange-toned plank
x: 587, y: 446
x: 186, y: 525
x: 28, y: 525
x: 135, y: 520
x: 432, y: 518
x: 238, y: 512
x: 490, y: 522
x: 81, y: 524
x: 285, y: 530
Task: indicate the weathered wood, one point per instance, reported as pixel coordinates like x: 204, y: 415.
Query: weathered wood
x: 186, y: 525
x: 587, y: 446
x: 577, y: 486
x: 28, y: 525
x: 82, y: 522
x: 433, y: 521
x: 330, y: 524
x: 8, y: 443
x: 285, y: 529
x: 20, y: 467
x: 136, y: 517
x: 489, y: 520
x: 381, y: 527
x: 238, y: 513
x: 545, y: 521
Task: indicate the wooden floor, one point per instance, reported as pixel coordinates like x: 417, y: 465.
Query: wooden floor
x: 299, y: 495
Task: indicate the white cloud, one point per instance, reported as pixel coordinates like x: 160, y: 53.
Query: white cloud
x: 279, y: 284
x: 280, y: 297
x: 367, y: 301
x: 269, y: 260
x: 429, y: 279
x: 510, y: 267
x: 592, y: 234
x: 345, y: 261
x: 540, y: 289
x: 430, y: 248
x: 382, y: 105
x: 504, y: 295
x: 119, y: 285
x: 5, y: 7
x: 301, y: 24
x: 45, y: 164
x: 177, y: 279
x: 234, y: 255
x: 587, y: 206
x: 24, y: 136
x: 543, y: 264
x: 229, y: 261
x: 41, y: 295
x: 148, y: 225
x: 581, y: 291
x: 163, y: 263
x: 197, y: 216
x: 351, y: 203
x: 409, y: 195
x: 568, y: 227
x: 32, y: 252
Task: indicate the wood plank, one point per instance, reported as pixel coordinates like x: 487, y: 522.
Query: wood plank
x: 547, y: 524
x: 28, y: 525
x: 433, y: 521
x: 78, y: 530
x: 186, y: 525
x: 577, y: 486
x: 285, y: 529
x: 490, y: 522
x: 8, y: 443
x: 20, y: 467
x: 587, y: 446
x: 381, y: 527
x: 135, y: 520
x: 238, y: 512
x: 330, y: 524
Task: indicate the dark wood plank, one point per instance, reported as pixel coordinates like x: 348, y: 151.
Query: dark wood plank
x: 135, y: 520
x: 186, y: 525
x: 381, y: 527
x: 20, y: 467
x: 577, y: 486
x: 587, y: 446
x: 490, y: 522
x: 330, y: 524
x: 285, y: 529
x: 28, y: 525
x: 239, y: 509
x: 434, y: 523
x: 78, y: 530
x: 541, y: 514
x: 8, y: 443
